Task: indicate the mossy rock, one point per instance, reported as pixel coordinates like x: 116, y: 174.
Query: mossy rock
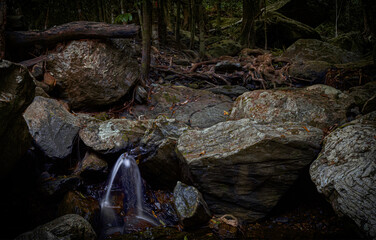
x: 224, y: 48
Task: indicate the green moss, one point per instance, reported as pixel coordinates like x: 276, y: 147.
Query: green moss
x: 169, y: 98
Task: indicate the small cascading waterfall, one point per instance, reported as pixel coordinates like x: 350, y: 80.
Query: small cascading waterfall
x: 123, y: 197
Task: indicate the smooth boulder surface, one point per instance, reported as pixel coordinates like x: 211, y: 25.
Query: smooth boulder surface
x: 52, y: 127
x: 242, y: 167
x: 318, y: 105
x: 196, y: 108
x: 345, y: 171
x: 16, y: 93
x: 112, y: 135
x: 190, y: 206
x: 67, y: 227
x: 92, y: 166
x: 91, y: 73
x: 316, y: 50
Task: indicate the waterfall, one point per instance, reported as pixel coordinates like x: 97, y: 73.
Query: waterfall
x: 123, y: 197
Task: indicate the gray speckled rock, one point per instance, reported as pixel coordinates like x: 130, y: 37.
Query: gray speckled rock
x: 345, y: 171
x: 111, y: 135
x: 67, y: 227
x: 52, y: 127
x: 92, y: 166
x: 190, y: 206
x: 91, y: 73
x: 197, y: 108
x: 242, y: 167
x: 318, y: 105
x: 16, y: 93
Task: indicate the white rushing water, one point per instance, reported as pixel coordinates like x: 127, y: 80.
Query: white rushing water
x: 125, y: 178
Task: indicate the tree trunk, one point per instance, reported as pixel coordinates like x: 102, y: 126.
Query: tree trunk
x: 202, y: 28
x: 3, y: 17
x: 72, y: 31
x: 192, y: 23
x: 177, y: 25
x: 369, y: 10
x: 251, y: 9
x: 147, y: 9
x: 219, y: 3
x: 162, y: 29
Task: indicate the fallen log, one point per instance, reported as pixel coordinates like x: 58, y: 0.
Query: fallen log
x: 71, y: 31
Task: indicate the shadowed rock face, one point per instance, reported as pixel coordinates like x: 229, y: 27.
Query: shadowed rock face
x: 345, y: 171
x: 242, y: 167
x: 70, y: 226
x: 52, y: 127
x: 318, y: 105
x: 16, y: 93
x: 91, y: 73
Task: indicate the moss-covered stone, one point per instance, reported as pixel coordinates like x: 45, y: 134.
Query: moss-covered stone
x: 224, y: 48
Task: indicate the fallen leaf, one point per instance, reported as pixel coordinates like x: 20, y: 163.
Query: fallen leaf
x: 306, y: 128
x: 225, y: 113
x: 202, y: 153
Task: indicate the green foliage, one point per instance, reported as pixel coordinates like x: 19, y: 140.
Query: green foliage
x: 124, y: 18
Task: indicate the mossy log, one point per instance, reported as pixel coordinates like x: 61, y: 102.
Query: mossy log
x: 71, y: 31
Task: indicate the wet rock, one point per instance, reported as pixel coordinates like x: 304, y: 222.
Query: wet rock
x: 282, y: 31
x: 191, y: 208
x: 227, y: 67
x: 53, y: 187
x: 224, y: 48
x: 90, y: 73
x: 112, y: 135
x: 230, y: 91
x: 16, y: 93
x: 70, y: 226
x: 197, y: 108
x: 318, y: 105
x: 316, y: 50
x: 345, y: 172
x: 52, y: 127
x: 161, y: 169
x: 351, y: 41
x: 242, y: 167
x: 40, y: 92
x: 311, y: 71
x: 92, y: 166
x: 37, y: 70
x: 75, y: 202
x: 226, y: 226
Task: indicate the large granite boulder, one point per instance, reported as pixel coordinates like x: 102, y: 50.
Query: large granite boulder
x: 282, y: 31
x: 16, y: 93
x: 52, y: 127
x: 70, y: 227
x: 310, y: 71
x: 224, y: 47
x: 345, y: 171
x: 190, y: 206
x: 91, y: 73
x: 113, y: 135
x: 242, y: 167
x: 318, y: 105
x: 316, y: 50
x: 197, y: 108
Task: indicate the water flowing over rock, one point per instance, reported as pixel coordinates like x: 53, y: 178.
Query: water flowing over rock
x: 112, y: 135
x: 345, y: 171
x: 52, y: 127
x: 92, y: 73
x: 318, y: 105
x: 190, y: 206
x: 242, y: 167
x: 197, y: 108
x: 16, y: 93
x: 316, y: 50
x: 70, y: 226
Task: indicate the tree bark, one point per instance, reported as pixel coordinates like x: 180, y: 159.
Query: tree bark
x: 251, y: 9
x: 177, y: 25
x: 219, y: 3
x: 192, y: 23
x: 71, y: 31
x: 162, y: 29
x: 3, y: 17
x: 201, y: 28
x: 147, y: 9
x: 369, y: 10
